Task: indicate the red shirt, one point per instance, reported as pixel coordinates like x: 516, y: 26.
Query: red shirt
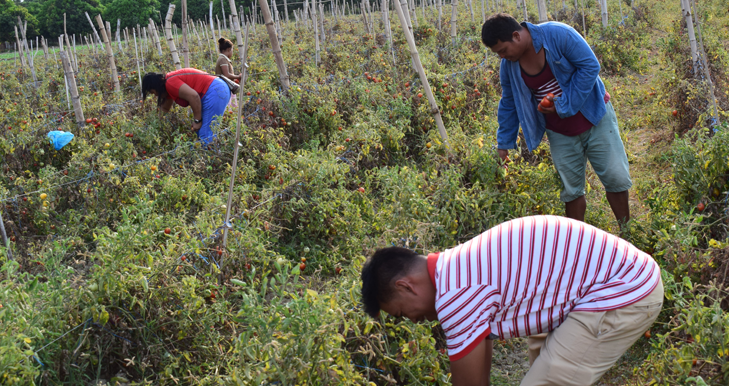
x: 523, y: 277
x: 544, y: 83
x: 198, y: 80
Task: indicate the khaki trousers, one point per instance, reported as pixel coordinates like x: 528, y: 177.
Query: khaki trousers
x: 587, y: 344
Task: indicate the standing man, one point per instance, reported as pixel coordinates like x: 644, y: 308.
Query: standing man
x: 581, y: 125
x: 594, y: 294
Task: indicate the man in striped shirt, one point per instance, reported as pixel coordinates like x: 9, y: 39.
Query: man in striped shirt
x: 593, y: 293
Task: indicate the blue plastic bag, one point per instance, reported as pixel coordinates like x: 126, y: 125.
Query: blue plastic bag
x: 59, y: 139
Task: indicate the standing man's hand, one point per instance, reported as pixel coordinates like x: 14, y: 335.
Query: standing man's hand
x: 503, y: 154
x: 547, y: 110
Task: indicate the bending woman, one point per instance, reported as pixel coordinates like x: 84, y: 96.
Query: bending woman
x: 204, y: 93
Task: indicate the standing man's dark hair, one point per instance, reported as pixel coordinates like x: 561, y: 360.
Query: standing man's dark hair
x: 499, y: 26
x: 380, y: 271
x: 156, y: 82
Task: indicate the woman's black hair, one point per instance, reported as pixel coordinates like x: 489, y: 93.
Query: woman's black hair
x: 224, y: 44
x: 154, y: 81
x: 379, y: 273
x: 499, y: 26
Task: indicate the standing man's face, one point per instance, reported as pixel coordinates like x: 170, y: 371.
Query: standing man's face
x: 511, y: 51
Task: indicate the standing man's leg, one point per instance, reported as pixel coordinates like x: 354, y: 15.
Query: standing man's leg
x: 568, y: 156
x: 606, y: 153
x: 576, y: 208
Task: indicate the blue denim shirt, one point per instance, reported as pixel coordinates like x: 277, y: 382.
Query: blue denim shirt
x: 576, y: 69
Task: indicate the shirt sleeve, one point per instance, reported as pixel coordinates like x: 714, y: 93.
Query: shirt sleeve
x: 578, y: 54
x: 172, y: 85
x: 182, y: 102
x: 465, y: 315
x: 507, y: 117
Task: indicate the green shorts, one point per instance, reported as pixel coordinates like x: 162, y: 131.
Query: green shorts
x: 600, y: 144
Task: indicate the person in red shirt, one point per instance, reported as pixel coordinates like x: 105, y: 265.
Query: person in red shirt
x: 582, y: 296
x: 206, y: 95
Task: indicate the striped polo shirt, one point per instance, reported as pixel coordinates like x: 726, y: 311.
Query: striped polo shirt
x: 524, y: 276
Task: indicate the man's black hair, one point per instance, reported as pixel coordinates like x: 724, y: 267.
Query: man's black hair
x: 154, y: 81
x: 499, y: 26
x: 379, y: 273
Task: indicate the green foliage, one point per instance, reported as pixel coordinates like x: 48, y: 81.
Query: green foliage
x: 51, y: 17
x: 131, y: 12
x: 115, y: 235
x: 9, y: 13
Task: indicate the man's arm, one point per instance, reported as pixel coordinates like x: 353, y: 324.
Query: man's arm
x: 578, y: 53
x: 474, y: 369
x: 508, y: 120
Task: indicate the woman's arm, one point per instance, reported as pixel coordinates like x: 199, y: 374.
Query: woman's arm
x: 192, y: 97
x: 227, y: 74
x: 166, y: 105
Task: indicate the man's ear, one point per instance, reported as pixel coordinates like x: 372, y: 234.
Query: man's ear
x: 516, y: 36
x: 404, y: 285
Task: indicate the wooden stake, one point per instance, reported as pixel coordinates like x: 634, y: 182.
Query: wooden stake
x: 275, y: 47
x: 170, y: 40
x: 29, y: 53
x: 185, y: 47
x: 136, y: 56
x: 109, y: 54
x: 454, y: 20
x: 19, y: 48
x: 5, y: 236
x: 118, y: 36
x: 71, y: 80
x: 419, y: 68
x: 242, y: 52
x: 96, y: 34
x: 316, y: 32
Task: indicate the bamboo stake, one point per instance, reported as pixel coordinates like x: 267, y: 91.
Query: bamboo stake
x: 5, y: 236
x: 68, y: 44
x: 45, y: 47
x: 454, y: 20
x: 96, y: 34
x: 687, y: 14
x: 19, y: 48
x: 419, y: 68
x: 185, y: 47
x: 316, y: 32
x: 242, y: 52
x: 155, y: 36
x: 71, y: 80
x: 136, y: 56
x: 321, y: 23
x: 29, y: 53
x: 364, y: 18
x: 705, y: 65
x: 440, y: 14
x: 65, y: 78
x: 222, y: 8
x: 118, y: 36
x: 109, y: 54
x: 170, y: 40
x: 275, y: 47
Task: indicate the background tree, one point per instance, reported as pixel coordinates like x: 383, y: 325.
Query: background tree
x: 9, y: 12
x: 131, y: 12
x: 51, y: 17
